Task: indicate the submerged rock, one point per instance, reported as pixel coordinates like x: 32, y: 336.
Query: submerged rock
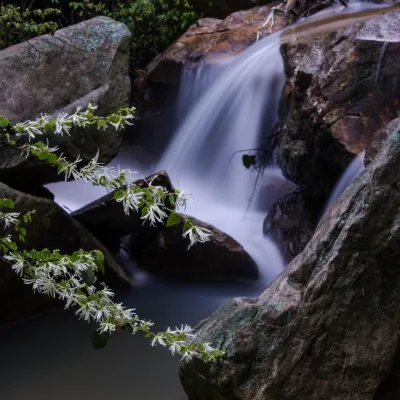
x: 290, y: 224
x: 212, y: 40
x: 51, y: 228
x: 82, y: 64
x: 341, y: 87
x: 327, y: 327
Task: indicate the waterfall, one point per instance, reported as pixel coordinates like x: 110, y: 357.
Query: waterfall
x: 228, y: 108
x: 353, y: 170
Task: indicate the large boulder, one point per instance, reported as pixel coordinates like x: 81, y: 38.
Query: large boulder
x: 212, y: 40
x: 328, y: 327
x: 52, y: 228
x: 341, y: 87
x: 82, y: 64
x: 163, y: 251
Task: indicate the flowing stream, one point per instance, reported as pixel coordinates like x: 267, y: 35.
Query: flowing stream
x: 223, y: 109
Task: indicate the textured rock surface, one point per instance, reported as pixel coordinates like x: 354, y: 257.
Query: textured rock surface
x: 211, y: 40
x: 164, y: 252
x: 328, y: 327
x: 81, y: 64
x: 51, y: 228
x: 106, y: 219
x: 290, y: 223
x: 341, y: 87
x: 378, y: 139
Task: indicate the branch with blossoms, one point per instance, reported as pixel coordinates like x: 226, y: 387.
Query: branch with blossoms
x: 73, y: 278
x: 150, y: 201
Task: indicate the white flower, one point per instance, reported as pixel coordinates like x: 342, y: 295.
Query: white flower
x: 62, y: 124
x: 175, y: 347
x: 131, y: 200
x: 107, y: 327
x: 154, y: 214
x: 9, y: 218
x: 182, y: 198
x: 197, y: 234
x: 18, y: 265
x: 187, y: 355
x: 158, y: 339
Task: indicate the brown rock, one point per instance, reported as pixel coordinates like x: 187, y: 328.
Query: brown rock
x: 378, y: 139
x: 51, y: 228
x: 290, y: 223
x: 341, y: 87
x: 164, y: 252
x: 211, y: 40
x: 82, y: 64
x: 328, y: 327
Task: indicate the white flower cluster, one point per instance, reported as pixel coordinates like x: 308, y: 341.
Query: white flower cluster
x: 9, y: 218
x: 64, y: 122
x: 72, y: 278
x: 62, y: 277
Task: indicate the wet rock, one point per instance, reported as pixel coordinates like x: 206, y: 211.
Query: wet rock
x: 328, y: 326
x: 378, y: 139
x: 290, y: 223
x: 82, y: 64
x: 341, y: 87
x: 164, y: 252
x: 106, y: 218
x: 211, y: 40
x: 52, y: 228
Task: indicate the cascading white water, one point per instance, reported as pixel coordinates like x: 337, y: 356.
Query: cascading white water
x: 231, y: 115
x: 353, y: 170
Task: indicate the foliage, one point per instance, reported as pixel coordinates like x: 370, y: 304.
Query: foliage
x: 154, y: 24
x: 73, y: 278
x: 18, y: 24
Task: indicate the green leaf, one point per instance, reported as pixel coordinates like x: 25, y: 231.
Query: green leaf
x: 248, y: 161
x: 89, y: 277
x: 4, y: 122
x: 99, y: 260
x: 99, y: 340
x: 173, y: 219
x: 9, y: 203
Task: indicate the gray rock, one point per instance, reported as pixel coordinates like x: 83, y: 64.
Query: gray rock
x: 51, y: 228
x: 81, y: 64
x: 328, y: 326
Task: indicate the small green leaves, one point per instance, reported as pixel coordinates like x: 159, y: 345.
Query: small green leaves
x: 4, y: 122
x: 173, y: 219
x: 99, y: 340
x: 6, y: 203
x: 99, y: 260
x: 248, y: 160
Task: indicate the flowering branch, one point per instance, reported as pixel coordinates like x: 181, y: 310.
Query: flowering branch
x: 73, y: 278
